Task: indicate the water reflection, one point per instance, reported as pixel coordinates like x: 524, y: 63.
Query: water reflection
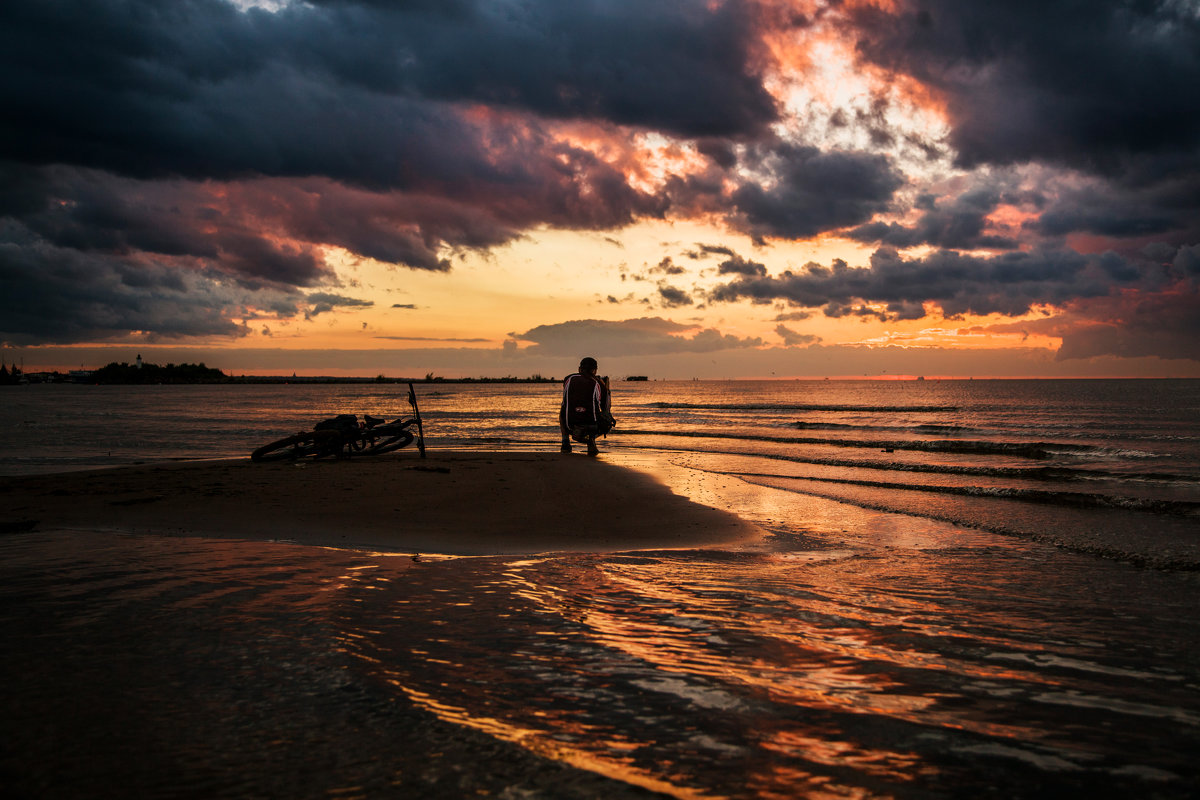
x: 857, y: 675
x: 758, y: 673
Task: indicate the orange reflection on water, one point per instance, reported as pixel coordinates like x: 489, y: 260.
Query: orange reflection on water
x: 544, y: 743
x: 663, y: 671
x: 884, y: 763
x: 797, y: 658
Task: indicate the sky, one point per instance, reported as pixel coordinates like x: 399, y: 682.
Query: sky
x: 708, y: 189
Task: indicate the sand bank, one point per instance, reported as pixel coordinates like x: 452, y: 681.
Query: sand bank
x: 461, y: 503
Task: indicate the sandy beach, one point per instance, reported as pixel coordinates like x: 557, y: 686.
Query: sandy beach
x: 234, y: 638
x: 454, y: 503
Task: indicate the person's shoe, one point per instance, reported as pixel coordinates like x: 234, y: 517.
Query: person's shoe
x: 566, y: 448
x: 592, y: 449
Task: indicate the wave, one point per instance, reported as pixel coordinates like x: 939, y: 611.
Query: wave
x: 842, y: 426
x: 801, y: 407
x: 1031, y: 450
x: 1057, y: 474
x: 1092, y: 500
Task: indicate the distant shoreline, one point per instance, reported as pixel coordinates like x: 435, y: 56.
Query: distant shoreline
x: 81, y: 377
x: 270, y: 379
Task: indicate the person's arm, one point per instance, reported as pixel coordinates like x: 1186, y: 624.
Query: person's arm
x: 597, y: 397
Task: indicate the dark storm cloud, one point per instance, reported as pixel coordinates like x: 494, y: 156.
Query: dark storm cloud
x: 663, y: 65
x: 50, y: 294
x: 1186, y: 262
x: 644, y: 336
x: 1011, y: 283
x: 119, y: 115
x: 129, y: 221
x: 531, y: 180
x: 959, y: 224
x: 1108, y: 88
x: 1166, y: 325
x: 1166, y: 207
x: 813, y: 191
x: 266, y: 232
x: 1085, y: 84
x: 1115, y: 305
x: 343, y: 89
x: 169, y: 166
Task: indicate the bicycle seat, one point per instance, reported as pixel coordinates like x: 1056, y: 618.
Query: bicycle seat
x: 372, y: 421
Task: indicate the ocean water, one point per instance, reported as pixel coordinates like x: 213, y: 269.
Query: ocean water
x: 1111, y: 467
x: 983, y: 587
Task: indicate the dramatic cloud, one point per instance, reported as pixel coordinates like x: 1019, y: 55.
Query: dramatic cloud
x: 814, y: 191
x: 236, y: 143
x: 1084, y: 84
x: 1115, y: 306
x: 182, y: 169
x: 1165, y: 325
x: 1129, y: 325
x: 1010, y: 284
x: 50, y: 294
x: 960, y: 224
x: 644, y: 336
x: 343, y: 89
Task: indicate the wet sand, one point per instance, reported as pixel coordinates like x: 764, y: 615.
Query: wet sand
x: 453, y: 503
x: 171, y: 663
x: 847, y: 653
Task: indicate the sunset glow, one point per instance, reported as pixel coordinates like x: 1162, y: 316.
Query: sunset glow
x: 782, y: 189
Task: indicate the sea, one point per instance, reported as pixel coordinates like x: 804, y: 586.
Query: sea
x: 963, y: 588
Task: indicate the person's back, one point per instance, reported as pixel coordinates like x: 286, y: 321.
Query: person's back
x: 583, y: 415
x: 581, y: 394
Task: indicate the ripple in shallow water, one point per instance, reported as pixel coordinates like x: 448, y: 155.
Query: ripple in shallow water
x: 185, y: 667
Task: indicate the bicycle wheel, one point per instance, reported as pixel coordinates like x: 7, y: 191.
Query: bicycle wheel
x: 387, y: 437
x: 312, y: 443
x: 389, y: 442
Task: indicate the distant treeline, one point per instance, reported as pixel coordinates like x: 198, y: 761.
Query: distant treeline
x: 384, y: 379
x: 153, y: 373
x: 123, y: 373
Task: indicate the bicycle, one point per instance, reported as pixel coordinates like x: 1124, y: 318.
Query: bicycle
x: 343, y: 436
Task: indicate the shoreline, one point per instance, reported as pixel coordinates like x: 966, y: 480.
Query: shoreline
x: 450, y: 503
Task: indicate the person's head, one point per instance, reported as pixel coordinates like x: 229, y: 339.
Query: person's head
x: 588, y: 365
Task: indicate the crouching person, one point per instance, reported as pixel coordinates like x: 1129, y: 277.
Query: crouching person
x: 585, y: 414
